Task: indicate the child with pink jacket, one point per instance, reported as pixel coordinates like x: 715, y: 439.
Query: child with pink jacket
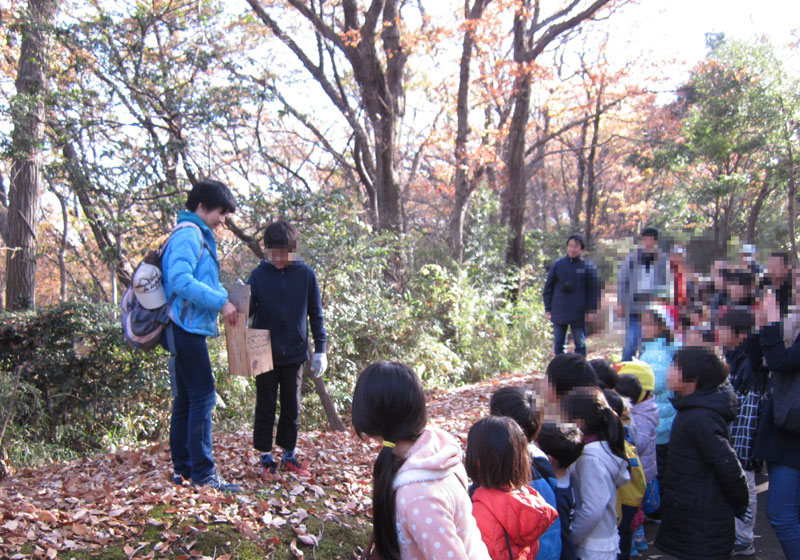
x: 421, y: 507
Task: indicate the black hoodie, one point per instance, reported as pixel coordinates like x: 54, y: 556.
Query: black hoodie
x: 283, y: 300
x: 704, y: 483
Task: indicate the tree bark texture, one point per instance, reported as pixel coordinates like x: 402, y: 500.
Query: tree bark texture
x: 463, y: 186
x: 26, y: 143
x: 527, y: 48
x: 380, y: 91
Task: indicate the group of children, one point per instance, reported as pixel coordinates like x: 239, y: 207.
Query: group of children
x: 576, y: 488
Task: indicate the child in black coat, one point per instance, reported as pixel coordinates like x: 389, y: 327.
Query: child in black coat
x: 704, y: 485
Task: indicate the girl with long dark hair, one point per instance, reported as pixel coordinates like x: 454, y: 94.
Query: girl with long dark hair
x: 421, y: 508
x: 598, y: 472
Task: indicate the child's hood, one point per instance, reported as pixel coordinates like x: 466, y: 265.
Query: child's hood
x: 616, y: 466
x: 523, y: 513
x: 645, y: 411
x: 720, y: 399
x: 433, y: 456
x: 268, y: 266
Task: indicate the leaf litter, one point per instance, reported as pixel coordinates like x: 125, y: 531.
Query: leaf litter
x: 95, y: 502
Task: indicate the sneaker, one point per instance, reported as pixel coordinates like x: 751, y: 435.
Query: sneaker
x: 743, y: 549
x: 268, y: 467
x: 294, y: 466
x: 218, y: 483
x: 178, y: 480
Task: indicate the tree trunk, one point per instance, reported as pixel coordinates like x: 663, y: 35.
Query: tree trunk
x: 62, y: 248
x: 792, y: 193
x: 328, y: 405
x: 28, y: 114
x: 755, y: 210
x: 515, y: 190
x: 463, y: 186
x: 591, y: 179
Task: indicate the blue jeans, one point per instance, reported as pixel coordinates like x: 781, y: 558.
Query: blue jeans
x: 783, y: 507
x: 560, y: 338
x: 193, y: 402
x: 633, y: 337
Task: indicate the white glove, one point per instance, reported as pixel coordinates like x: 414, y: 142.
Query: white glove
x: 319, y: 363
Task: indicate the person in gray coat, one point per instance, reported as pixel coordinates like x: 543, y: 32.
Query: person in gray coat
x: 643, y: 276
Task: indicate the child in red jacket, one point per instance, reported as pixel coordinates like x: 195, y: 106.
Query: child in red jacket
x: 510, y: 514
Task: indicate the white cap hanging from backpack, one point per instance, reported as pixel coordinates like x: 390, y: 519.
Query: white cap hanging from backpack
x: 148, y: 287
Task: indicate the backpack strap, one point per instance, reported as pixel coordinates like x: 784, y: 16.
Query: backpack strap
x: 508, y: 544
x: 180, y: 226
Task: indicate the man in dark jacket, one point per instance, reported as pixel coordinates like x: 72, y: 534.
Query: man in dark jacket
x: 284, y: 296
x: 570, y: 292
x: 704, y: 485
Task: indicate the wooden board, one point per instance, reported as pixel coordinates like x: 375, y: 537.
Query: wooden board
x: 249, y: 350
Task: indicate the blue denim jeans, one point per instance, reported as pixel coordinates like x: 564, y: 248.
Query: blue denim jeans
x: 560, y: 338
x: 193, y: 402
x: 783, y: 506
x: 633, y: 337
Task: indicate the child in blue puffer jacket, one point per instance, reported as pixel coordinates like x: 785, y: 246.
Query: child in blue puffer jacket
x: 658, y: 349
x: 518, y: 404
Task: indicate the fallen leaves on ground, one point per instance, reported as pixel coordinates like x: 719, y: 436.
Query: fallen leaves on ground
x: 108, y: 499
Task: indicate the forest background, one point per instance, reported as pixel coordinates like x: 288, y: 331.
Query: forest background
x: 434, y: 156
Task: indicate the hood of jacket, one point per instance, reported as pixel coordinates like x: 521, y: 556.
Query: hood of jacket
x: 435, y: 455
x: 616, y: 466
x: 523, y: 514
x: 720, y: 399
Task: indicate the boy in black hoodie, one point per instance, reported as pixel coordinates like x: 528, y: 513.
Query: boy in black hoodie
x: 704, y: 485
x: 284, y: 298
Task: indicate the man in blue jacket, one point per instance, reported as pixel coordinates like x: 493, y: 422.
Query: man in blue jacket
x: 284, y: 297
x: 191, y: 285
x: 571, y: 292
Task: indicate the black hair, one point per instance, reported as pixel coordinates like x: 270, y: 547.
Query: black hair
x: 579, y: 238
x: 281, y: 235
x: 567, y: 371
x: 650, y: 231
x: 700, y: 365
x: 497, y: 455
x: 739, y: 277
x: 598, y: 418
x: 389, y: 402
x: 614, y: 400
x: 517, y: 404
x: 630, y: 386
x: 606, y: 375
x: 781, y: 255
x: 739, y: 319
x: 212, y: 195
x: 563, y: 442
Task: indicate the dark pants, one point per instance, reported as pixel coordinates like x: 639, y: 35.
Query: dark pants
x: 560, y: 337
x: 662, y: 452
x: 289, y: 379
x: 193, y: 402
x: 625, y: 532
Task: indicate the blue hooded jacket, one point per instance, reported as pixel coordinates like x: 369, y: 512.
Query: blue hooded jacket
x: 190, y: 270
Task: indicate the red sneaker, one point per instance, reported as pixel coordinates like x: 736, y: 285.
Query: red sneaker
x: 295, y: 467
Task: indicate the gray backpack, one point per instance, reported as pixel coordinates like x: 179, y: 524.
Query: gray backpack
x: 142, y: 327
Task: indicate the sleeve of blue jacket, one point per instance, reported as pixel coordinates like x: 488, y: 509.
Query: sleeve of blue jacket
x: 183, y: 258
x: 315, y: 316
